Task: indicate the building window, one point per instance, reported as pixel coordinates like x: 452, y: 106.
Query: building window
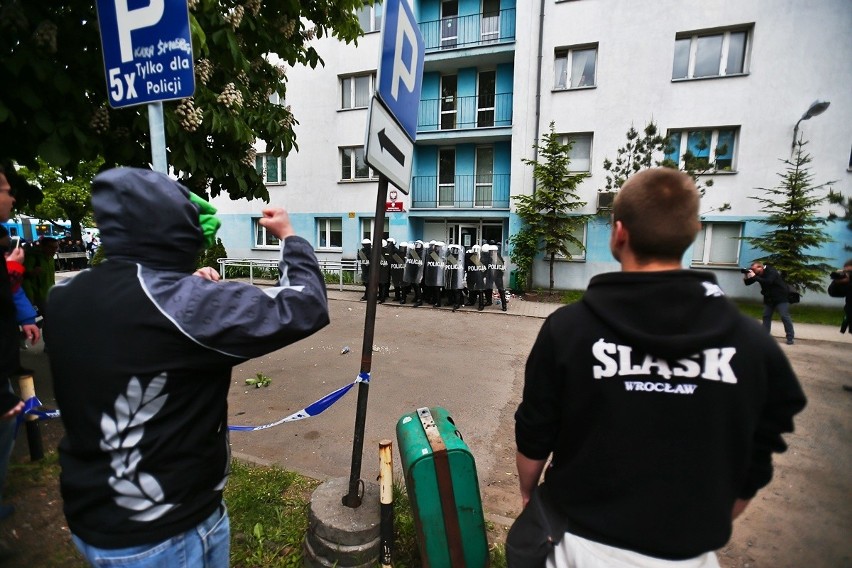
x: 263, y: 238
x: 577, y: 252
x: 717, y: 54
x: 367, y: 228
x: 704, y: 149
x: 575, y: 67
x: 370, y: 17
x: 717, y: 243
x: 330, y: 233
x: 581, y: 151
x: 356, y: 90
x: 353, y: 165
x: 272, y: 168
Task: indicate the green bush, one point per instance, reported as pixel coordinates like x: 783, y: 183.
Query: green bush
x: 208, y: 257
x: 333, y: 277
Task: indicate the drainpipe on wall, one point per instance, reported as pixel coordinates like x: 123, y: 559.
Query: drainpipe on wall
x: 538, y: 84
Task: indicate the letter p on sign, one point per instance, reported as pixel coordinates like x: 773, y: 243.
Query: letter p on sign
x: 129, y: 20
x: 405, y: 71
x: 401, y: 65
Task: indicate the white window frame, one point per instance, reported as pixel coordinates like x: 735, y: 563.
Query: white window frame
x: 371, y: 174
x: 323, y: 225
x: 375, y: 16
x: 263, y: 170
x: 367, y: 228
x: 694, y: 38
x: 714, y: 142
x: 567, y: 53
x: 265, y: 237
x: 582, y: 234
x: 352, y: 79
x: 575, y: 136
x: 706, y: 248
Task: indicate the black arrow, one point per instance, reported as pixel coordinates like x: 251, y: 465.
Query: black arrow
x: 385, y: 143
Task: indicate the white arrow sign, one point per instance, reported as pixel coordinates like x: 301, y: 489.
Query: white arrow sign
x: 389, y: 150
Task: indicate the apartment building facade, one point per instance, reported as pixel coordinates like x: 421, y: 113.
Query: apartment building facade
x: 726, y: 80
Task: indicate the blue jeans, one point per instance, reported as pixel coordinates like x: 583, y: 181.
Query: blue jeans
x: 7, y: 439
x: 784, y: 311
x: 207, y: 545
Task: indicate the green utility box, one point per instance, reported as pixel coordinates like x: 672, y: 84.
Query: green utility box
x: 440, y: 476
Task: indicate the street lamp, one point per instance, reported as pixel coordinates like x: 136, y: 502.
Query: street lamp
x: 816, y: 108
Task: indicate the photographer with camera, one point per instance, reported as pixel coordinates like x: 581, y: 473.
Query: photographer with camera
x: 841, y: 287
x: 775, y: 295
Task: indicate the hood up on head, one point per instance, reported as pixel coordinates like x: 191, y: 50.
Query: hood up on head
x: 146, y: 217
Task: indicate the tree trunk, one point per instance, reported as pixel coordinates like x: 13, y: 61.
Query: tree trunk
x: 552, y: 263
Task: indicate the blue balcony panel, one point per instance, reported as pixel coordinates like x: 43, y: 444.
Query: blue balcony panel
x: 474, y: 30
x: 470, y: 192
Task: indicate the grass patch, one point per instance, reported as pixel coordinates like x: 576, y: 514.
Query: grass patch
x: 801, y: 313
x: 268, y: 509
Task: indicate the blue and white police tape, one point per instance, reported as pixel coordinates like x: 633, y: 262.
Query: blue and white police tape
x: 312, y: 409
x: 33, y: 407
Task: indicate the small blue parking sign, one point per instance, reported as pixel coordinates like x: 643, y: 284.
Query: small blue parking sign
x: 147, y: 50
x: 401, y: 65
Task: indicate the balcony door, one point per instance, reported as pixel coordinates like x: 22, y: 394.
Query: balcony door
x: 484, y: 190
x: 449, y: 101
x: 449, y: 24
x: 489, y: 27
x: 486, y: 91
x: 446, y: 177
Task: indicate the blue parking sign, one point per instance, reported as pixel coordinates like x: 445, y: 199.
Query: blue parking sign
x: 401, y: 65
x: 147, y: 50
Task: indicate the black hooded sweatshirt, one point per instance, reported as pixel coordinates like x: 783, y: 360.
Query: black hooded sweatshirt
x: 661, y: 405
x: 143, y: 390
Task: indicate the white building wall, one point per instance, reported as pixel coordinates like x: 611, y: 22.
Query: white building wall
x: 798, y: 53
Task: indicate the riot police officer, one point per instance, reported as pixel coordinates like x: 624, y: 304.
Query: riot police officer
x: 412, y: 275
x: 364, y: 262
x: 454, y: 275
x: 498, y: 273
x: 384, y: 271
x: 397, y: 266
x: 433, y: 273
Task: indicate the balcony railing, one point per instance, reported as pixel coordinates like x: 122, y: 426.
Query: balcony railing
x: 460, y: 192
x: 460, y: 113
x: 454, y: 32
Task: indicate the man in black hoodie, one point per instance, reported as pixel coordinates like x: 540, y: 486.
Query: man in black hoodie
x: 658, y: 403
x: 143, y: 393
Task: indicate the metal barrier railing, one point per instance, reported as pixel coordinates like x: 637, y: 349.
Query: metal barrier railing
x: 338, y: 267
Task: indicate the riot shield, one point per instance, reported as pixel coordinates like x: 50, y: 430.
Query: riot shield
x: 364, y: 260
x: 397, y: 263
x: 433, y: 272
x: 384, y: 263
x: 454, y: 268
x: 475, y: 270
x: 486, y: 257
x: 498, y: 271
x: 413, y: 273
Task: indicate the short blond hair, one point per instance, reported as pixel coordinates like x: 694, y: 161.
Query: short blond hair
x: 659, y: 209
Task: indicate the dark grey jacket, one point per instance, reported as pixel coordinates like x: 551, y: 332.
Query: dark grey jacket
x: 143, y: 386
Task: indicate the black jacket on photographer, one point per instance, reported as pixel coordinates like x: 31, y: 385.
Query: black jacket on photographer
x: 842, y: 288
x: 772, y: 286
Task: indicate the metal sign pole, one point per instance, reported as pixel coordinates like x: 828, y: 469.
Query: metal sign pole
x: 158, y: 137
x: 353, y: 498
